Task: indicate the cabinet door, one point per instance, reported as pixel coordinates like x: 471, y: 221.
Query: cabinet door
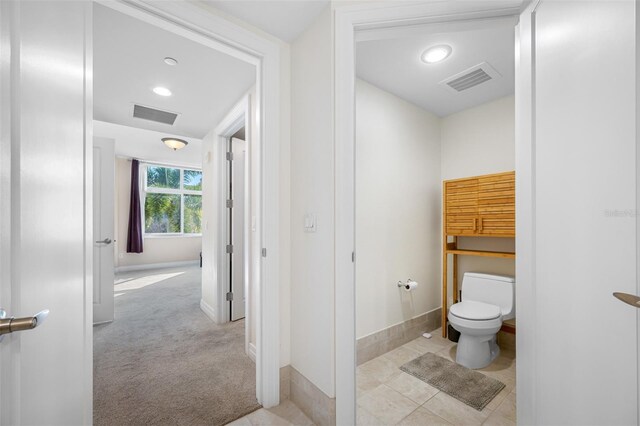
x: 497, y: 205
x: 461, y: 207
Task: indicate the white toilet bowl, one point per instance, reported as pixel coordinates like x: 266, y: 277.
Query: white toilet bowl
x: 478, y: 324
x: 486, y: 301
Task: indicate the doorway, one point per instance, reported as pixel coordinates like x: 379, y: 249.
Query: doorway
x: 538, y: 31
x: 158, y: 108
x: 55, y: 39
x: 442, y: 132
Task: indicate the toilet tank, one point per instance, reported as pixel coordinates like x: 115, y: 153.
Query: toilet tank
x: 499, y: 290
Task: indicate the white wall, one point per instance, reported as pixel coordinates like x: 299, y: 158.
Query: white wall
x: 477, y: 141
x: 312, y: 191
x: 210, y: 217
x: 156, y: 249
x: 398, y: 217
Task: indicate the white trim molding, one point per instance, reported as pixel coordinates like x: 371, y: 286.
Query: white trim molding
x: 208, y: 310
x: 195, y: 22
x: 370, y: 21
x: 163, y: 265
x: 252, y: 352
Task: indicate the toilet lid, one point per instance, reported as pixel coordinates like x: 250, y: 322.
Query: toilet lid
x: 475, y: 310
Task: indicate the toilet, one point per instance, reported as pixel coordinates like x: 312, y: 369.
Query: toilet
x: 487, y: 300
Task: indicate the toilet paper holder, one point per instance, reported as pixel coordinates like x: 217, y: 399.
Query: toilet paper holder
x: 404, y: 284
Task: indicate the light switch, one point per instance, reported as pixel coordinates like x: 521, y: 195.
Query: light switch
x: 310, y: 222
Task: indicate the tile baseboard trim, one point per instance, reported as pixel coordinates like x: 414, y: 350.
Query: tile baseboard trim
x: 385, y: 340
x: 285, y: 383
x: 319, y: 407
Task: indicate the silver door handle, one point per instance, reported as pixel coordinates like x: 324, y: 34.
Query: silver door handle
x: 629, y: 299
x: 9, y: 325
x: 105, y: 241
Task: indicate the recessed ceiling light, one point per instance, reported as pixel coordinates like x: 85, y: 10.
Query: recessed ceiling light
x: 162, y: 91
x: 436, y: 54
x: 170, y: 61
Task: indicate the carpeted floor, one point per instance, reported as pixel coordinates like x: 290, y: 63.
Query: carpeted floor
x: 163, y: 361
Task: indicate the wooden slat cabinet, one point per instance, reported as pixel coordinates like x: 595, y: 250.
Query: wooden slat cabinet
x: 461, y: 206
x: 497, y: 205
x: 481, y: 206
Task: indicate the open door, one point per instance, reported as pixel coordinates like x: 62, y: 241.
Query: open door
x: 577, y: 217
x: 103, y: 210
x: 237, y: 190
x: 46, y: 237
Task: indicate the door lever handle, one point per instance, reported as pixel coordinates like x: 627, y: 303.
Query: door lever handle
x: 9, y: 325
x: 629, y: 299
x: 105, y: 241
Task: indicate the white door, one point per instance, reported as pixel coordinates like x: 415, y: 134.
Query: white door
x: 45, y: 211
x: 238, y: 168
x: 577, y: 344
x: 103, y: 211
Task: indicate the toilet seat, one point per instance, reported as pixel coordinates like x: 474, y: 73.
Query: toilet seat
x: 475, y: 311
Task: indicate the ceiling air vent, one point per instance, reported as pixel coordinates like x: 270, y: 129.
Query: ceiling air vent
x: 152, y: 114
x: 471, y: 77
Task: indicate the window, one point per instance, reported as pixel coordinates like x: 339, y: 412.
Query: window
x: 173, y: 201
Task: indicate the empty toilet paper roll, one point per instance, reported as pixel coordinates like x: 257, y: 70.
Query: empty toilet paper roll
x: 410, y: 285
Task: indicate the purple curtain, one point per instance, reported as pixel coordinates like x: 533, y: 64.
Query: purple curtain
x: 134, y: 235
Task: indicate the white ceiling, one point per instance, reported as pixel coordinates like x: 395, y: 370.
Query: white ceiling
x: 147, y: 145
x: 394, y: 65
x: 285, y: 20
x: 129, y: 62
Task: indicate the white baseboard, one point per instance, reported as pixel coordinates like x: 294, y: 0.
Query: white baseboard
x: 208, y: 310
x: 252, y: 352
x: 156, y: 266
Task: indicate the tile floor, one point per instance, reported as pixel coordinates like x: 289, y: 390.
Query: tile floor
x: 285, y: 414
x: 389, y: 396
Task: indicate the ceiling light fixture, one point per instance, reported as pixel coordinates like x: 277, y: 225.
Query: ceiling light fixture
x: 162, y: 91
x: 436, y: 54
x: 170, y: 61
x: 175, y: 143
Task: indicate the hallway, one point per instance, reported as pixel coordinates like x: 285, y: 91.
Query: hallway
x: 163, y: 361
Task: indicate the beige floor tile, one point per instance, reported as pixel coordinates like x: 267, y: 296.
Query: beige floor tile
x: 455, y: 411
x: 436, y: 337
x: 288, y: 411
x: 413, y: 388
x: 423, y: 345
x: 381, y: 369
x: 422, y: 417
x: 448, y: 353
x: 365, y: 418
x: 402, y: 355
x: 365, y: 381
x: 508, y: 407
x: 242, y: 421
x: 497, y: 400
x: 263, y: 417
x: 496, y: 419
x: 386, y: 404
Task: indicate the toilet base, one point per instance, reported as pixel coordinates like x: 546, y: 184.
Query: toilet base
x: 477, y: 351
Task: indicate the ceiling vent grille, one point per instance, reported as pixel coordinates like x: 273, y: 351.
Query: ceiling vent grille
x: 152, y: 114
x: 471, y: 77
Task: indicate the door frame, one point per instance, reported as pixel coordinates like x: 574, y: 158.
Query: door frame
x: 202, y: 26
x: 355, y: 23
